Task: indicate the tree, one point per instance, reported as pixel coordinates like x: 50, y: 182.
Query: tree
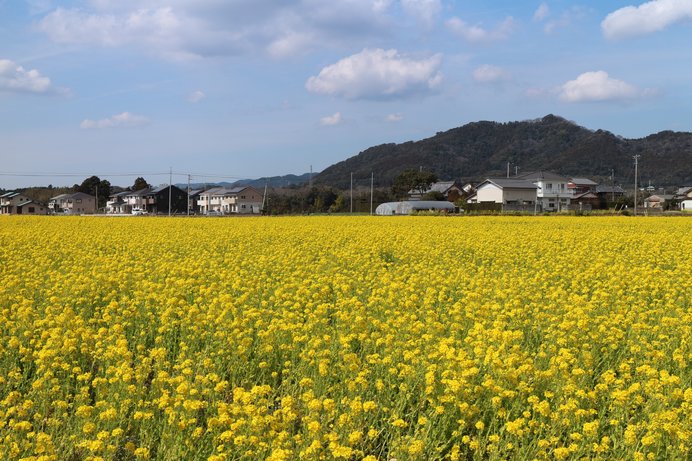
x: 434, y: 195
x: 140, y: 183
x: 93, y: 185
x: 413, y: 180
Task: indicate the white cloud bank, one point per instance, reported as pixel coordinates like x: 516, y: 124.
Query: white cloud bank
x: 392, y: 118
x: 14, y: 78
x: 599, y: 86
x: 377, y: 74
x: 331, y: 120
x: 542, y: 12
x: 490, y: 74
x: 646, y: 18
x: 124, y: 120
x: 479, y: 35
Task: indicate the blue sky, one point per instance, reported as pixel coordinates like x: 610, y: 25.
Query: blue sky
x: 251, y: 88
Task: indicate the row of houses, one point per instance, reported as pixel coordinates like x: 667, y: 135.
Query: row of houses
x: 151, y: 200
x: 217, y: 200
x: 547, y: 191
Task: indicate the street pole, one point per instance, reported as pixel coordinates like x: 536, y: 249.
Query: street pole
x: 351, y: 192
x: 636, y: 163
x: 188, y: 195
x: 170, y: 188
x: 372, y: 183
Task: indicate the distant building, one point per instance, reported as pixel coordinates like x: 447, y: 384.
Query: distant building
x: 580, y: 186
x: 235, y: 200
x: 75, y: 203
x: 451, y: 190
x: 506, y: 191
x: 552, y: 194
x: 17, y: 203
x: 657, y: 201
x: 684, y: 198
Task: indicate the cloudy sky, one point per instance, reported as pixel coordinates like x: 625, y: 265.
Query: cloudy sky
x: 251, y: 88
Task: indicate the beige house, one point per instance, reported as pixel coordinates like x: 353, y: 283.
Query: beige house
x: 235, y: 200
x: 76, y: 203
x: 684, y: 198
x: 16, y: 203
x: 657, y: 201
x: 506, y: 191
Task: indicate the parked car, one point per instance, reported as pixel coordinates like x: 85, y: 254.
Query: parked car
x: 138, y: 211
x: 214, y: 213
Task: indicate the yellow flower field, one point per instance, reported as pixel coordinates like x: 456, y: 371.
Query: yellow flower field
x: 349, y: 338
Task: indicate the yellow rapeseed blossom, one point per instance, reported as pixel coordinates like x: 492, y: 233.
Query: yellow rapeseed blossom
x: 313, y: 338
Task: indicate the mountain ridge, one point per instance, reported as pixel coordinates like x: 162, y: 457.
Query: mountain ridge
x: 482, y: 149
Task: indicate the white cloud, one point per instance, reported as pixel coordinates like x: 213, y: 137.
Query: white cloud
x: 196, y: 96
x: 477, y: 34
x: 331, y: 120
x: 425, y: 11
x: 646, y: 18
x: 124, y: 120
x: 185, y: 29
x: 14, y: 78
x: 377, y: 74
x: 598, y: 86
x: 394, y: 117
x: 490, y: 74
x: 542, y: 12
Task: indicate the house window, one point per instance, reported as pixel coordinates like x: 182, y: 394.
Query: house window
x: 79, y: 200
x: 31, y: 209
x: 242, y: 206
x: 242, y: 196
x: 549, y: 186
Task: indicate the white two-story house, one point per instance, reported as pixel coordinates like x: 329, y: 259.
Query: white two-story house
x: 553, y: 193
x: 235, y: 200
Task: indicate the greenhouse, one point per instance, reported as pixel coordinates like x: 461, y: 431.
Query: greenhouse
x: 412, y: 206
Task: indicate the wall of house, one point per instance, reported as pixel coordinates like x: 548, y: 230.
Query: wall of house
x: 489, y: 193
x: 519, y: 195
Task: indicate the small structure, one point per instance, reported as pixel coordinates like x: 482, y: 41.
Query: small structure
x: 117, y: 203
x: 411, y: 206
x: 506, y: 191
x: 609, y: 194
x: 657, y: 202
x: 76, y: 203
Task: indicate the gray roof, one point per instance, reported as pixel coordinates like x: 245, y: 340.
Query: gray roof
x: 504, y: 183
x: 9, y: 194
x: 583, y: 182
x: 541, y: 176
x: 657, y: 197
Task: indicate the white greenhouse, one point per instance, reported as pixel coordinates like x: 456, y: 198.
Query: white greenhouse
x: 412, y: 206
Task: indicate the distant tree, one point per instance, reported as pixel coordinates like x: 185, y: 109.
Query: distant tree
x: 95, y: 186
x: 140, y: 183
x: 413, y: 180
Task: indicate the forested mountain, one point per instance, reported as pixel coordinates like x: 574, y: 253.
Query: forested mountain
x: 483, y: 149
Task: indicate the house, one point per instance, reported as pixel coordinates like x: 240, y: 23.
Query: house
x: 609, y: 194
x: 451, y: 190
x: 552, y: 194
x: 117, y: 204
x: 193, y: 200
x: 684, y: 198
x: 658, y: 201
x: 234, y: 200
x: 17, y: 203
x: 580, y: 186
x: 155, y: 200
x: 75, y: 203
x: 506, y: 191
x: 411, y: 206
x: 585, y: 201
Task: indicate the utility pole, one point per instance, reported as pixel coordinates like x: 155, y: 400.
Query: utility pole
x: 636, y: 163
x: 352, y: 192
x: 507, y: 170
x: 612, y: 184
x: 170, y: 188
x: 188, y: 195
x: 372, y: 183
x: 516, y: 170
x: 97, y: 199
x: 310, y: 182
